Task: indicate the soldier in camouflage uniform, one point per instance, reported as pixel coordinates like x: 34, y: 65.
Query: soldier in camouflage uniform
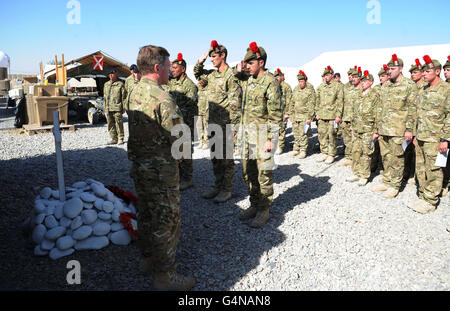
x: 351, y: 94
x: 395, y: 124
x: 302, y: 112
x: 432, y: 130
x: 203, y: 112
x: 446, y: 183
x: 363, y: 128
x: 131, y: 82
x: 153, y: 113
x: 115, y: 96
x: 286, y: 94
x: 261, y: 118
x: 330, y: 102
x: 223, y: 98
x: 184, y: 92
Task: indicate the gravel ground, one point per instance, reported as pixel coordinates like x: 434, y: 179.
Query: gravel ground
x: 323, y: 234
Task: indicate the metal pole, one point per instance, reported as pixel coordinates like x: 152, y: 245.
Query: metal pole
x: 59, y: 158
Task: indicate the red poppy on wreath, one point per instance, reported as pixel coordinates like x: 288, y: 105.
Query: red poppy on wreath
x: 129, y: 221
x: 127, y: 196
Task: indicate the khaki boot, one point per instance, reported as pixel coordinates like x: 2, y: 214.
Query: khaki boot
x: 248, y: 213
x: 205, y: 146
x: 329, y: 160
x: 322, y: 158
x: 411, y: 181
x: 294, y: 153
x: 379, y: 188
x: 448, y: 229
x: 185, y: 184
x: 279, y: 151
x: 391, y: 193
x: 222, y: 197
x: 112, y: 142
x: 120, y: 142
x: 444, y: 192
x: 302, y: 154
x: 211, y: 193
x: 346, y: 162
x: 362, y: 182
x: 352, y: 178
x: 260, y: 218
x: 413, y: 204
x: 146, y: 266
x: 422, y: 207
x: 172, y: 281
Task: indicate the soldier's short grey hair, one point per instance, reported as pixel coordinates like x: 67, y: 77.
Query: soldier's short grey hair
x: 149, y: 56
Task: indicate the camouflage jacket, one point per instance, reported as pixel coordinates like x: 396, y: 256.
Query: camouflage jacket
x: 223, y: 94
x: 330, y: 101
x: 364, y: 112
x: 303, y: 103
x: 286, y: 94
x: 261, y: 103
x: 114, y: 95
x: 377, y: 88
x: 203, y: 106
x: 152, y: 115
x: 184, y: 92
x: 130, y: 84
x: 397, y: 108
x: 349, y: 94
x: 433, y: 113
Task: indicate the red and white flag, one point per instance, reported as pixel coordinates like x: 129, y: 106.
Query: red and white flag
x: 98, y: 62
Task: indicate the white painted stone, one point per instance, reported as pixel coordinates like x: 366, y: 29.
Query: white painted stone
x: 76, y: 223
x: 47, y: 245
x: 89, y: 216
x: 50, y: 222
x: 55, y: 233
x: 38, y: 233
x: 55, y: 253
x: 119, y: 205
x: 88, y: 197
x: 65, y: 242
x: 104, y: 216
x: 117, y: 226
x: 46, y: 193
x: 70, y: 189
x: 79, y: 185
x: 101, y: 229
x: 108, y: 207
x: 39, y: 218
x: 94, y: 242
x: 59, y: 212
x: 50, y: 210
x: 98, y: 204
x: 88, y: 205
x: 65, y: 222
x: 39, y: 252
x: 73, y: 207
x: 75, y: 194
x: 39, y: 206
x: 121, y: 237
x: 110, y: 196
x: 82, y: 233
x: 98, y: 189
x: 115, y: 215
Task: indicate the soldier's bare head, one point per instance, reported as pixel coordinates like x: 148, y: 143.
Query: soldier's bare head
x: 394, y: 73
x: 178, y: 70
x: 153, y: 63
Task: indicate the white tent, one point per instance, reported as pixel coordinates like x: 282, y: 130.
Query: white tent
x: 4, y: 60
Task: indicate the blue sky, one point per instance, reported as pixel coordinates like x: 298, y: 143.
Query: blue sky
x: 292, y: 32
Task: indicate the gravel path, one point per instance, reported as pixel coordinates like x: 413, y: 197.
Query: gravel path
x: 323, y: 234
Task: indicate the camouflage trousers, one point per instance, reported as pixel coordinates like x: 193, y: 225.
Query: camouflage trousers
x: 115, y: 125
x: 347, y: 137
x: 282, y: 136
x: 361, y: 154
x: 186, y: 166
x: 203, y: 127
x: 327, y: 137
x: 393, y: 160
x: 223, y: 168
x: 430, y: 177
x: 258, y: 176
x: 300, y: 137
x: 157, y: 187
x: 376, y: 162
